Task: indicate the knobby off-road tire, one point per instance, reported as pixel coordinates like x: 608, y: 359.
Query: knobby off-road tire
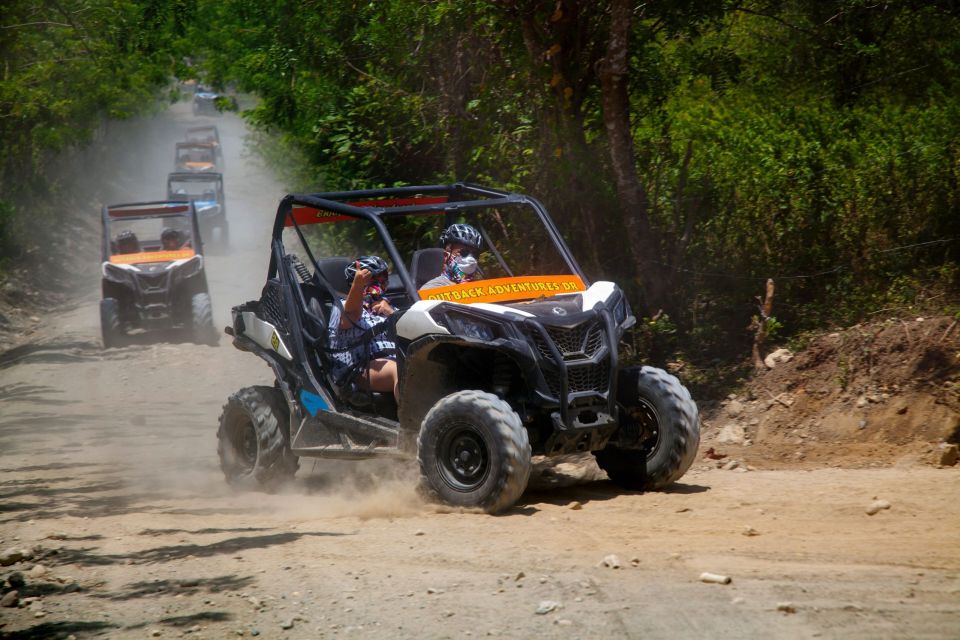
x: 201, y: 316
x: 110, y: 323
x: 253, y: 441
x: 665, y: 407
x: 473, y: 452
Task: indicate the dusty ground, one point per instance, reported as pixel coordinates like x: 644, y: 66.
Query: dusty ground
x: 109, y: 480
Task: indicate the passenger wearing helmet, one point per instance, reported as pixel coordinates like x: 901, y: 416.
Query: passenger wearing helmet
x: 371, y: 361
x: 461, y: 251
x: 127, y: 242
x: 171, y: 239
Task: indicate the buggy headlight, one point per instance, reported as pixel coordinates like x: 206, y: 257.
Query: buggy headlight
x: 622, y: 314
x: 470, y: 327
x: 187, y: 267
x: 620, y: 311
x: 118, y: 272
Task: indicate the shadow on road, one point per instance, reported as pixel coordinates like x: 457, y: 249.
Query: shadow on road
x: 88, y: 557
x: 52, y: 353
x: 164, y: 532
x: 185, y: 587
x: 53, y: 466
x: 197, y: 618
x: 587, y: 492
x: 60, y: 630
x: 38, y: 394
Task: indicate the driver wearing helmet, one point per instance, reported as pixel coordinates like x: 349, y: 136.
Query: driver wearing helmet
x: 364, y: 308
x: 171, y: 239
x: 127, y: 242
x: 461, y: 251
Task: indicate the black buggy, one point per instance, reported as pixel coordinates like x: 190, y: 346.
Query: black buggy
x: 153, y: 272
x: 523, y: 362
x: 205, y: 190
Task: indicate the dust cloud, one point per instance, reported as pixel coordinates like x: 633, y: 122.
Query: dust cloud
x: 143, y: 418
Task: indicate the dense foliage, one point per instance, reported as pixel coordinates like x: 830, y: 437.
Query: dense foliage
x: 689, y: 149
x: 66, y: 65
x: 817, y: 143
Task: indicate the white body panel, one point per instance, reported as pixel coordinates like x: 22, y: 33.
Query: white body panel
x: 598, y: 292
x: 264, y: 334
x: 416, y: 321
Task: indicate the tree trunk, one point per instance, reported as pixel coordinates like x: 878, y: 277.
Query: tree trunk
x: 766, y: 308
x: 571, y: 151
x: 631, y: 192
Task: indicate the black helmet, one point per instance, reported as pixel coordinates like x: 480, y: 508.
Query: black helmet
x: 374, y: 264
x: 461, y: 234
x: 171, y: 236
x: 127, y: 242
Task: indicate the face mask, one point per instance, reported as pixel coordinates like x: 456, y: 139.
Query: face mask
x: 460, y: 268
x: 468, y: 265
x: 373, y: 293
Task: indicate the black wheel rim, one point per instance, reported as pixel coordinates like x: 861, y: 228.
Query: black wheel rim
x: 647, y: 419
x: 463, y: 458
x: 245, y: 444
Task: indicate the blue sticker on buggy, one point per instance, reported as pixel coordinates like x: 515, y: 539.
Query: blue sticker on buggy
x: 313, y: 403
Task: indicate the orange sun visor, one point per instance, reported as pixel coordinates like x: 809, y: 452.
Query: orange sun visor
x: 311, y: 215
x: 152, y: 256
x: 505, y: 289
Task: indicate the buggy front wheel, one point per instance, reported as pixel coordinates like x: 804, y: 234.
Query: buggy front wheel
x: 474, y: 452
x: 664, y: 425
x: 201, y: 316
x: 110, y: 323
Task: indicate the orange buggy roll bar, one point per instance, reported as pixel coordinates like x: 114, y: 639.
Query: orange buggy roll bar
x: 304, y: 215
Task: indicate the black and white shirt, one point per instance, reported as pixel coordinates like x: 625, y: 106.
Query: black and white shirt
x: 348, y: 346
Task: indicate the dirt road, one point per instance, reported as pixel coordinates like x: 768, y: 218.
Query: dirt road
x: 109, y: 487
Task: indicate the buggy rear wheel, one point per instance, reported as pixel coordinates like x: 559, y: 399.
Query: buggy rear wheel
x: 110, y: 323
x: 474, y: 452
x: 662, y: 415
x: 253, y: 440
x: 201, y: 315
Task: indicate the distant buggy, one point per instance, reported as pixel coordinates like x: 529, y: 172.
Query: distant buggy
x: 523, y: 362
x: 197, y: 157
x: 207, y: 102
x: 205, y: 190
x: 207, y: 135
x: 153, y: 272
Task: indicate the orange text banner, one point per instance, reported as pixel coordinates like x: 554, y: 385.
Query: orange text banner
x: 152, y: 256
x: 505, y: 289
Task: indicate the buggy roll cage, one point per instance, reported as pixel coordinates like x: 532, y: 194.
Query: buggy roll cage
x: 215, y: 134
x: 194, y: 144
x: 196, y: 176
x: 374, y: 204
x: 147, y: 210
